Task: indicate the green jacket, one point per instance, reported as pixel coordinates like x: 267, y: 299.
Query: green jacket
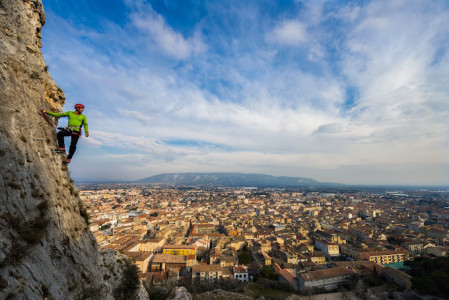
x: 75, y: 121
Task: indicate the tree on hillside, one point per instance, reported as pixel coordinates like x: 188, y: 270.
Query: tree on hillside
x: 268, y: 272
x: 431, y: 275
x: 244, y: 256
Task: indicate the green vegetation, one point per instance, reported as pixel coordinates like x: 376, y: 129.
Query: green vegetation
x: 45, y: 292
x: 155, y: 214
x: 106, y: 226
x: 29, y: 233
x: 14, y: 185
x: 43, y: 206
x: 3, y: 283
x: 430, y: 275
x: 93, y: 293
x: 15, y: 256
x: 35, y: 193
x: 205, y: 286
x: 35, y: 75
x: 257, y: 290
x: 33, y: 231
x: 244, y: 256
x: 130, y: 282
x: 372, y: 280
x: 351, y: 283
x: 84, y: 213
x: 158, y: 292
x: 268, y: 272
x: 72, y: 190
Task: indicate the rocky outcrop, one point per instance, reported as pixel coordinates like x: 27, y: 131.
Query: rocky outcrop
x: 181, y: 293
x: 46, y: 248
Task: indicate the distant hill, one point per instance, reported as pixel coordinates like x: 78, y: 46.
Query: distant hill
x: 231, y: 179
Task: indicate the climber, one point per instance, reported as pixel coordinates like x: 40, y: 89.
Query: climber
x: 73, y: 129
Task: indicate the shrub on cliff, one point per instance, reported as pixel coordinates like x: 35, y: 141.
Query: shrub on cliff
x: 130, y: 282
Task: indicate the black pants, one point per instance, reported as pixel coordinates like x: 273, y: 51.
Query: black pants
x: 75, y: 137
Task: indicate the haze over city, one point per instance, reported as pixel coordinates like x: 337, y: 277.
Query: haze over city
x: 342, y: 91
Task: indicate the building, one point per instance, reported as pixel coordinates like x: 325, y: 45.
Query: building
x: 262, y: 258
x: 179, y: 250
x: 437, y: 251
x: 191, y: 261
x: 141, y: 259
x: 241, y: 273
x: 331, y: 238
x: 328, y: 278
x: 153, y: 245
x: 327, y: 248
x: 362, y: 233
x: 318, y: 258
x: 207, y: 272
x: 398, y: 277
x: 165, y: 262
x: 352, y: 251
x: 228, y: 261
x: 205, y: 228
x: 415, y: 247
x: 288, y: 277
x: 385, y: 257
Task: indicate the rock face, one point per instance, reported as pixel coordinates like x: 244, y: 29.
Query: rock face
x: 181, y: 293
x: 46, y: 248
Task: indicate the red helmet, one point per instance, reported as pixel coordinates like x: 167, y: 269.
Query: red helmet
x: 78, y: 105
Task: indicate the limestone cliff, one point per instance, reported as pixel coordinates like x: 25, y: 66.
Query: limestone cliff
x: 46, y: 248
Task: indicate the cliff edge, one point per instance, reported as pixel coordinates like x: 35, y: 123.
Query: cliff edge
x: 46, y: 248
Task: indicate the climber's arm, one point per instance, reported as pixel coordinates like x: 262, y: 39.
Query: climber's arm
x: 58, y: 115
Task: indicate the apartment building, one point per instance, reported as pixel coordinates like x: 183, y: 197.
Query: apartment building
x: 328, y: 278
x: 179, y: 250
x: 191, y: 261
x: 385, y: 257
x: 415, y: 247
x: 352, y: 251
x: 241, y: 273
x: 327, y: 248
x: 141, y: 259
x: 318, y: 258
x: 207, y: 272
x: 163, y: 262
x: 152, y: 245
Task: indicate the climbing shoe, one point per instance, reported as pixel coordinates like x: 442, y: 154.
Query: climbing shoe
x: 67, y: 160
x: 60, y: 150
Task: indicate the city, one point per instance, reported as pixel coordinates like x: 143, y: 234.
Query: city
x: 308, y: 241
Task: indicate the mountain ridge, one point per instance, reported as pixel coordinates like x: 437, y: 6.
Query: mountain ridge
x: 231, y: 179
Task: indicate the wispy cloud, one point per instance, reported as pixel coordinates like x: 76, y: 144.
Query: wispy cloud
x: 291, y: 33
x: 324, y: 90
x: 170, y: 42
x: 136, y: 115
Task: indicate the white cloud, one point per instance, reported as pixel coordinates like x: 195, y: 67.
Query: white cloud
x: 290, y: 33
x: 136, y: 115
x: 171, y: 42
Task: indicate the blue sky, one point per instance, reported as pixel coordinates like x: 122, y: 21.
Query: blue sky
x: 344, y: 91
